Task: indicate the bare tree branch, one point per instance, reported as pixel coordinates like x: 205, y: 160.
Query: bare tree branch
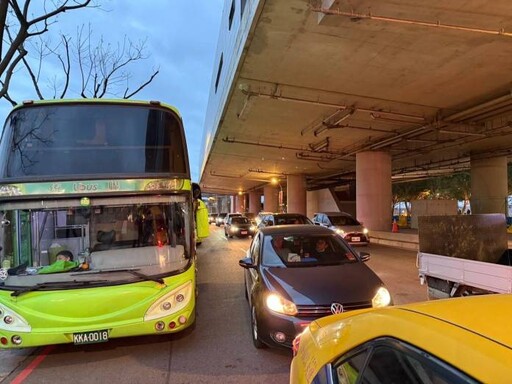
x: 103, y: 67
x: 4, y: 5
x: 10, y: 70
x: 66, y: 66
x: 11, y: 16
x: 34, y: 79
x: 127, y: 96
x: 8, y: 98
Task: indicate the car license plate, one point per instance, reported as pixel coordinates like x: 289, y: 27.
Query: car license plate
x: 243, y: 232
x: 356, y: 239
x: 90, y: 337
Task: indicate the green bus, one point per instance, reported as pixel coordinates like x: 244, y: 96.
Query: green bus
x: 107, y: 184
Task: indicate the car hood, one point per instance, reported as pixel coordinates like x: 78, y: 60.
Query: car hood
x: 347, y: 283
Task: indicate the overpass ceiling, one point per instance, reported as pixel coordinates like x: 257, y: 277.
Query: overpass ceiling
x: 428, y: 82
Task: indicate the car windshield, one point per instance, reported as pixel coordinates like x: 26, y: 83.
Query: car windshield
x: 305, y: 250
x: 239, y: 220
x: 289, y: 219
x: 343, y: 220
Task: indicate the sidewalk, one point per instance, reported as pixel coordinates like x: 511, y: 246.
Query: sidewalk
x: 406, y: 238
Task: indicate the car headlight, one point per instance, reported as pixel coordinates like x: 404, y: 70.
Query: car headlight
x: 252, y: 228
x: 382, y: 298
x: 279, y: 304
x: 234, y: 228
x: 365, y: 231
x: 339, y: 231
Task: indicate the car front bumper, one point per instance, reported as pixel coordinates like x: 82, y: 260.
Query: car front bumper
x: 271, y: 324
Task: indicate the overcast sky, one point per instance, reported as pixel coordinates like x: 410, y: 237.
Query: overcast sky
x: 181, y: 41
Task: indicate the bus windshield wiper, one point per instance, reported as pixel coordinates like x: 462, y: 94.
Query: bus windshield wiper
x: 146, y: 277
x: 134, y: 272
x: 56, y: 284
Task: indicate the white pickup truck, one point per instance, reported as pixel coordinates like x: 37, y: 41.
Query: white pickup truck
x: 464, y: 255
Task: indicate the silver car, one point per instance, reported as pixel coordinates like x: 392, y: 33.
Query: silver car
x: 345, y: 225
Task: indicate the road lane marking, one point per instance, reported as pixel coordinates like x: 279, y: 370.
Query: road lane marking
x: 33, y: 365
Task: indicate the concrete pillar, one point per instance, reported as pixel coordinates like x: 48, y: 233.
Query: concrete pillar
x: 373, y: 190
x: 254, y: 202
x: 224, y: 204
x: 489, y: 187
x: 270, y: 198
x: 240, y: 203
x: 232, y: 205
x: 296, y: 194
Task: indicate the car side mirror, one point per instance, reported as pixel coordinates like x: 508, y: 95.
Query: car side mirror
x: 365, y: 256
x: 246, y: 263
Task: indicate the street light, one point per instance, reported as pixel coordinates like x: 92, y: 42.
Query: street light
x: 275, y: 181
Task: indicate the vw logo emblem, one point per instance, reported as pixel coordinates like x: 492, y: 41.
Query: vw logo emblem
x: 336, y: 308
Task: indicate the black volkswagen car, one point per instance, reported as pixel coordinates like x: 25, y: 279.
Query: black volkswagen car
x: 295, y: 274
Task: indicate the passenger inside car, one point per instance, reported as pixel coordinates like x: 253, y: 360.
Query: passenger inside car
x: 279, y: 247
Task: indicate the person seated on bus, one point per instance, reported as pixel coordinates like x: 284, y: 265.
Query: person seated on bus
x: 64, y: 255
x: 63, y: 263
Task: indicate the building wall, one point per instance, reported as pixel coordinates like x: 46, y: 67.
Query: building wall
x: 232, y: 38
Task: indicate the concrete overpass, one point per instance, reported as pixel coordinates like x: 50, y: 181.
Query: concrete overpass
x: 349, y: 95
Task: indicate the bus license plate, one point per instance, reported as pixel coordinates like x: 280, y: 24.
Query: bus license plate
x: 356, y: 239
x: 90, y: 337
x: 243, y: 232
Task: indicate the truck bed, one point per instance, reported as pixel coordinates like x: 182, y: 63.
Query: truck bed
x: 486, y: 276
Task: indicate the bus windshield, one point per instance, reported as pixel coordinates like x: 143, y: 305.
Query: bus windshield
x: 56, y: 141
x: 148, y: 234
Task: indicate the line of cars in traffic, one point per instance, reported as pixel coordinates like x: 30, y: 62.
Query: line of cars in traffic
x: 342, y: 223
x: 308, y: 289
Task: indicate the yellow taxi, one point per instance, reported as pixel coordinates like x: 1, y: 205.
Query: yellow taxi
x: 457, y: 340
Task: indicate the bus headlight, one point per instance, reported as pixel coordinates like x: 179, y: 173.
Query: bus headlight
x: 11, y: 321
x: 382, y: 298
x: 279, y: 304
x: 170, y: 303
